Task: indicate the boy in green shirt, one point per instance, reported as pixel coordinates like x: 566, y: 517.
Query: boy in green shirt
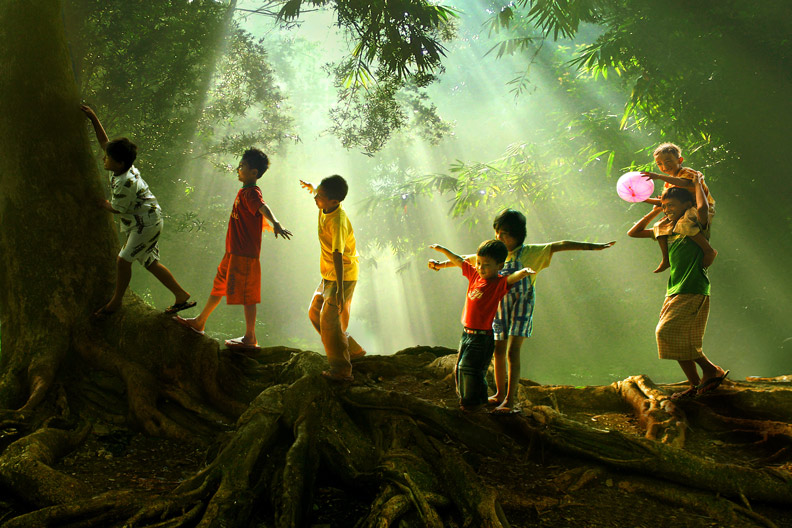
x: 683, y: 318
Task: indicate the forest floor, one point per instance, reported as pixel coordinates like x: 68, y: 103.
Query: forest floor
x: 540, y: 489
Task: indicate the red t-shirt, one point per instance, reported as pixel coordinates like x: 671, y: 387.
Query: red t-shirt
x: 243, y: 237
x: 482, y: 298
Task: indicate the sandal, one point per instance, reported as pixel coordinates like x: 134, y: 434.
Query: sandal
x: 182, y: 321
x: 237, y: 343
x: 711, y: 384
x: 178, y: 307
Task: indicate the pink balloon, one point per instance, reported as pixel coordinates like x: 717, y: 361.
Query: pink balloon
x: 633, y: 187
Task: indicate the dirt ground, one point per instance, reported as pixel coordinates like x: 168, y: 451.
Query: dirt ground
x: 538, y: 489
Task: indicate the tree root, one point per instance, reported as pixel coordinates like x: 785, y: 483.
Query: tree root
x: 25, y: 467
x: 725, y: 511
x: 658, y: 415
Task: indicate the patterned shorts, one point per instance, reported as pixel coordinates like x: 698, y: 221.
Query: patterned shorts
x: 141, y: 245
x: 514, y: 316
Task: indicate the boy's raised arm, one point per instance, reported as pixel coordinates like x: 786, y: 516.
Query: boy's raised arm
x: 453, y: 258
x: 437, y: 265
x: 673, y: 180
x: 519, y: 275
x: 702, y: 204
x: 308, y: 186
x: 101, y: 135
x: 639, y: 229
x: 571, y: 245
x: 276, y: 227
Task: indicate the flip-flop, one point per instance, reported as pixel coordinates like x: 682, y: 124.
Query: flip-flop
x: 237, y: 343
x: 685, y: 394
x: 178, y: 307
x: 182, y: 321
x: 326, y: 374
x: 504, y: 411
x: 711, y: 384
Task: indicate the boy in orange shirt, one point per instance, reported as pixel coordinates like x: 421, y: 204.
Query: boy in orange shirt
x: 239, y: 273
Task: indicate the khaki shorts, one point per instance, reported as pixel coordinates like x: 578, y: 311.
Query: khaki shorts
x: 328, y: 290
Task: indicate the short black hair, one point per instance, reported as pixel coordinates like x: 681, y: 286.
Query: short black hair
x: 335, y: 187
x: 512, y: 222
x: 678, y: 193
x: 494, y: 249
x: 123, y: 151
x: 256, y: 159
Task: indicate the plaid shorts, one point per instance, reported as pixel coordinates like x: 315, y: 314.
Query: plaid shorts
x: 680, y: 332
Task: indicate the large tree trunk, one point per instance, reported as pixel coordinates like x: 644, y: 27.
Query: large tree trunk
x: 57, y: 247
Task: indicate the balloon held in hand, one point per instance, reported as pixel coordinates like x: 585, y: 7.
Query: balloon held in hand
x: 634, y: 187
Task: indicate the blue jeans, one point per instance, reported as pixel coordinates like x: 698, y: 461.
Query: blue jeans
x: 473, y: 360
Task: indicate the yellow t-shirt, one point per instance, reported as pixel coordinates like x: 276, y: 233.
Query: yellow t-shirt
x: 336, y: 234
x: 534, y: 256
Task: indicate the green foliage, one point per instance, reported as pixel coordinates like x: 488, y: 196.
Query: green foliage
x: 366, y: 119
x: 174, y: 76
x: 401, y: 37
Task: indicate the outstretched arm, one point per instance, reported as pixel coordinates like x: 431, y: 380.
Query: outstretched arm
x: 639, y: 229
x: 519, y: 275
x: 276, y: 227
x: 673, y: 180
x: 702, y: 204
x: 571, y: 245
x: 453, y: 258
x: 101, y: 135
x: 308, y: 186
x: 437, y: 265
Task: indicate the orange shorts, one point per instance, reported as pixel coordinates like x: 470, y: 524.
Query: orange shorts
x: 239, y: 279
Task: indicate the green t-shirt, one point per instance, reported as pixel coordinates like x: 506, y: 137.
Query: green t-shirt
x: 687, y: 275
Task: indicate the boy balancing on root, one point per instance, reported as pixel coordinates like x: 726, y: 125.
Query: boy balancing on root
x: 683, y: 318
x: 514, y: 319
x: 239, y: 273
x: 141, y: 220
x: 668, y: 158
x: 338, y: 264
x: 485, y: 290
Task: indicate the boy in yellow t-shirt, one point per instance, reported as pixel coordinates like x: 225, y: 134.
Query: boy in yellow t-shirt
x: 338, y: 264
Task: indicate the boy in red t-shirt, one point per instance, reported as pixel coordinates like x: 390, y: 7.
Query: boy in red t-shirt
x: 239, y: 273
x: 485, y: 290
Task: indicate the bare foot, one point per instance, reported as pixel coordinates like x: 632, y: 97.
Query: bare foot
x: 664, y: 265
x: 355, y: 350
x: 494, y: 401
x: 708, y: 258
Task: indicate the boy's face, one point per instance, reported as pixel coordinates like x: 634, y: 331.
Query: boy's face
x: 509, y: 241
x: 487, y: 268
x: 323, y: 202
x: 245, y: 173
x: 674, y: 209
x: 112, y: 165
x: 668, y: 163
